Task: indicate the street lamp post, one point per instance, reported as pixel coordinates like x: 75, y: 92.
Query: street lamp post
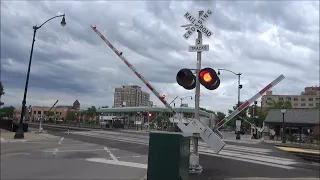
x: 19, y: 133
x: 181, y: 99
x: 283, y: 111
x: 239, y: 87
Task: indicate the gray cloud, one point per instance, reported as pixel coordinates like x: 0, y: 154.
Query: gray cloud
x: 259, y: 39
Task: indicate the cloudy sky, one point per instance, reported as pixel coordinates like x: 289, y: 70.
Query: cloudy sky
x: 259, y: 39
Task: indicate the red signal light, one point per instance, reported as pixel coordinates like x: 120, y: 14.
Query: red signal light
x: 209, y: 79
x: 163, y: 96
x: 149, y: 114
x: 206, y: 76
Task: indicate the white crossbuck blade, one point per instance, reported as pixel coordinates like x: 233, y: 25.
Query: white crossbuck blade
x: 213, y: 139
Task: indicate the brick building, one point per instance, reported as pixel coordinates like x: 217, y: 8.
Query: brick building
x: 36, y: 112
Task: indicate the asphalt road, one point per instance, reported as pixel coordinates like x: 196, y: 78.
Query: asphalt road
x: 245, y: 158
x: 124, y: 155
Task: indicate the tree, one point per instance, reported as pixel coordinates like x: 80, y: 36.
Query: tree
x: 316, y: 107
x: 220, y: 116
x: 91, y: 111
x: 280, y: 105
x: 71, y: 116
x: 7, y: 111
x: 242, y: 114
x: 104, y: 106
x: 1, y: 89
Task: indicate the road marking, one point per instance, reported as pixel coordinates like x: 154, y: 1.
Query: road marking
x: 292, y: 149
x: 60, y: 141
x: 251, y: 161
x: 15, y: 154
x: 121, y: 157
x: 2, y: 140
x: 75, y: 150
x: 111, y: 154
x: 55, y: 152
x: 120, y: 163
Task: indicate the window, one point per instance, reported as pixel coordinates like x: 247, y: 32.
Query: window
x: 303, y: 104
x: 295, y: 104
x: 34, y: 112
x: 311, y: 104
x: 310, y: 99
x: 281, y: 98
x: 269, y: 98
x: 295, y: 99
x: 288, y: 98
x: 303, y: 99
x: 39, y: 112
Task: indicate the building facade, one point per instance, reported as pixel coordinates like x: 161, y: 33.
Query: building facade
x: 133, y: 115
x: 36, y: 112
x: 308, y: 99
x: 130, y: 96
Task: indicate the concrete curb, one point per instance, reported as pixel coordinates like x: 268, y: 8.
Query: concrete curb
x: 144, y: 178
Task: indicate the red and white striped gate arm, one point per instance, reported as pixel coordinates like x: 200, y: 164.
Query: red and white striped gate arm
x: 155, y: 92
x: 248, y: 102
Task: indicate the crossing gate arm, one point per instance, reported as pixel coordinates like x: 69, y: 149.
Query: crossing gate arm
x: 248, y: 102
x: 119, y: 54
x: 210, y: 137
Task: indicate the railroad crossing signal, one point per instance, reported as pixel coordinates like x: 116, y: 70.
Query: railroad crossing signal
x: 186, y: 79
x: 207, y: 77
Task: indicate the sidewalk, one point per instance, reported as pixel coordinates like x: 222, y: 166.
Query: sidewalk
x: 7, y: 136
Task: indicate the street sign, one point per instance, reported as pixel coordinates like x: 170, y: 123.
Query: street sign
x: 197, y: 24
x: 199, y: 48
x: 238, y: 125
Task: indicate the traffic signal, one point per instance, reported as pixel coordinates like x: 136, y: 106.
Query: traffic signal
x: 209, y: 79
x: 186, y: 79
x: 149, y: 114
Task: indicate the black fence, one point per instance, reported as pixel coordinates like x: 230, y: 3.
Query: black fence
x: 10, y: 125
x: 6, y: 124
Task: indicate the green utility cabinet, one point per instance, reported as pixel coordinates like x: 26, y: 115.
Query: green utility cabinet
x: 169, y: 155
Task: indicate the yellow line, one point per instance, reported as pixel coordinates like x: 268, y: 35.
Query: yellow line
x: 291, y: 149
x: 14, y: 154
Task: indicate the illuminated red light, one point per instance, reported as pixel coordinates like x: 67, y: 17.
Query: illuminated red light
x: 206, y: 76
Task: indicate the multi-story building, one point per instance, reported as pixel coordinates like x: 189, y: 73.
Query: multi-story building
x: 310, y: 98
x: 34, y: 113
x: 130, y: 96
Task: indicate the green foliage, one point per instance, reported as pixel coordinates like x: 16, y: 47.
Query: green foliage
x: 91, y: 111
x: 1, y: 89
x: 242, y: 114
x: 316, y: 107
x: 71, y: 116
x: 280, y: 105
x: 220, y: 116
x: 7, y: 111
x: 207, y: 110
x: 104, y: 106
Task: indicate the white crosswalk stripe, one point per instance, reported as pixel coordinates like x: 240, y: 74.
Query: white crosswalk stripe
x: 241, y: 152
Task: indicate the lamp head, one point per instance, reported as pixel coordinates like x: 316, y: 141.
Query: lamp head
x: 63, y: 21
x: 191, y: 97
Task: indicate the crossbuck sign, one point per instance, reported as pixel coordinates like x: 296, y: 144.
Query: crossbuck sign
x: 198, y: 24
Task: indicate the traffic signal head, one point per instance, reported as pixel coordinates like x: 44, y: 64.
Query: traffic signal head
x: 209, y: 79
x: 149, y: 114
x: 186, y: 79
